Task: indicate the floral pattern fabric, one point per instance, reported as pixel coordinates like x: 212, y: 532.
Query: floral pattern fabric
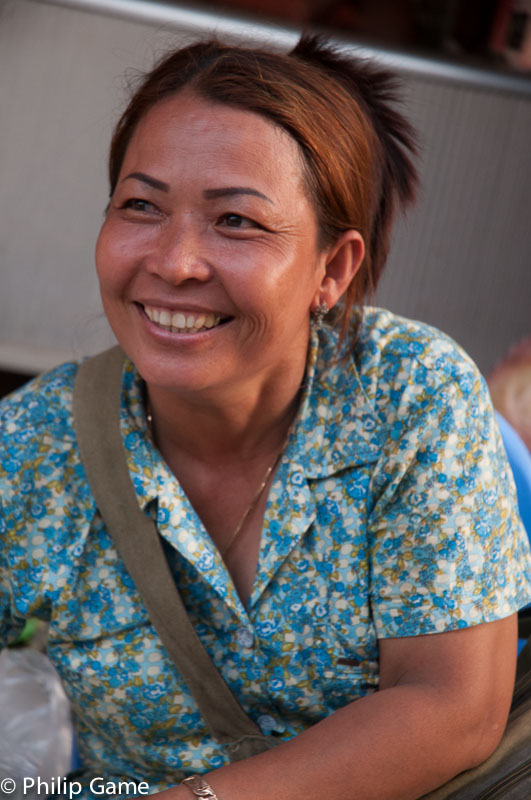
x: 391, y: 514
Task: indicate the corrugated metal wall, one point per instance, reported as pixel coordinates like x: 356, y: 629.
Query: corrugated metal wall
x: 460, y: 261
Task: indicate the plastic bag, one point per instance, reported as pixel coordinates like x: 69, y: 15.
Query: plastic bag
x: 35, y: 725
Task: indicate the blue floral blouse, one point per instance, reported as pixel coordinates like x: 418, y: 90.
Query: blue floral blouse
x: 391, y: 514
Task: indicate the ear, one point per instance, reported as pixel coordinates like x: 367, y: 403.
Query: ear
x: 341, y: 262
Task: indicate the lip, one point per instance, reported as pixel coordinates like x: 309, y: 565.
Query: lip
x: 173, y: 307
x: 164, y: 335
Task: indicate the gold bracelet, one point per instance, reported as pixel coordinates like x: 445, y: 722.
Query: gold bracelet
x: 200, y: 787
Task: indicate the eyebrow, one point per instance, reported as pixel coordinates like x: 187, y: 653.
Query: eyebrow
x: 227, y: 191
x: 156, y: 184
x: 209, y: 194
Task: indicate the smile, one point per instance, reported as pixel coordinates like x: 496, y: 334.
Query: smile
x: 182, y: 321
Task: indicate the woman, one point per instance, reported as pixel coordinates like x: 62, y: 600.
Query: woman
x: 328, y: 484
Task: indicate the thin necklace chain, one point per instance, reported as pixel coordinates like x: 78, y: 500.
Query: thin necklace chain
x: 223, y: 551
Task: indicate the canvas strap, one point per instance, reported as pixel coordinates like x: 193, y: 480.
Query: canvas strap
x: 97, y: 393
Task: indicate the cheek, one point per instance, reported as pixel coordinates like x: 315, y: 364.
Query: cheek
x: 113, y: 261
x: 102, y: 253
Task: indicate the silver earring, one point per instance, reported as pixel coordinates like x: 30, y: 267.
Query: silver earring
x: 318, y: 315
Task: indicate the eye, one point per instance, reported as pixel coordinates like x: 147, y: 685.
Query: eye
x: 137, y: 204
x: 236, y: 221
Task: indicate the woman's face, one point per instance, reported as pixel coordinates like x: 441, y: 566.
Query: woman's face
x: 208, y: 260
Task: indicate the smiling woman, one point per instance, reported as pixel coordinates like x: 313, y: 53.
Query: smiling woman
x: 327, y: 479
x: 224, y: 251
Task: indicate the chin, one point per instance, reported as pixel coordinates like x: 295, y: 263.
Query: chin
x: 176, y: 375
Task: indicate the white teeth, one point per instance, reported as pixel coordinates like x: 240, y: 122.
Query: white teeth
x: 180, y: 322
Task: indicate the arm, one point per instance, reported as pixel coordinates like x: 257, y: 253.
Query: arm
x: 441, y: 709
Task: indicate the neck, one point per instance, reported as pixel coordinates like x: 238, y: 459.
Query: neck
x: 238, y: 422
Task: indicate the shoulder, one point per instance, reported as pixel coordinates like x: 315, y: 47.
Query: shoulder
x: 37, y: 435
x: 39, y: 473
x: 404, y: 364
x: 36, y: 431
x: 407, y: 350
x: 397, y: 381
x: 43, y: 404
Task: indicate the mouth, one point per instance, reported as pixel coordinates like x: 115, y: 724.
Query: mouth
x: 183, y: 321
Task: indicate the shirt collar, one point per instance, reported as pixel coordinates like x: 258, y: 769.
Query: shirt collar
x: 141, y: 456
x: 336, y: 426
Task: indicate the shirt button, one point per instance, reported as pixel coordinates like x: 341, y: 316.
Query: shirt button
x: 244, y: 637
x: 267, y: 723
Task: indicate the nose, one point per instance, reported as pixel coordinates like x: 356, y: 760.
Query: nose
x: 179, y: 254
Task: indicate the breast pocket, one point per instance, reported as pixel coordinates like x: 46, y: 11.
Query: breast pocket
x: 344, y: 669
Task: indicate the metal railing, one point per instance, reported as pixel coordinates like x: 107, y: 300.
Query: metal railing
x: 202, y: 21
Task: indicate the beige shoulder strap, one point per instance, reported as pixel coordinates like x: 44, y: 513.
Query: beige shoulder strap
x: 97, y: 424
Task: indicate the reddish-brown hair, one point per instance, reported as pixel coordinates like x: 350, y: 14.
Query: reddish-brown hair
x: 341, y: 111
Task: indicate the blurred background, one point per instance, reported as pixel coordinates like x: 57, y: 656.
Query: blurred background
x: 460, y: 261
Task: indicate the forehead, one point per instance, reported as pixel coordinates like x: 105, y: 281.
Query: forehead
x: 185, y: 131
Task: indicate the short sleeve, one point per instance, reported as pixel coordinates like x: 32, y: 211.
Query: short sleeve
x: 9, y: 627
x: 519, y: 458
x: 447, y: 546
